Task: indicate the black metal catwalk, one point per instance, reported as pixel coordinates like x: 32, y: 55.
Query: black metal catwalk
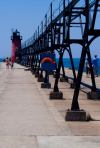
x: 56, y: 34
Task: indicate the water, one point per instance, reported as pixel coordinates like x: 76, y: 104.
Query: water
x: 67, y: 63
x: 76, y: 63
x: 1, y: 59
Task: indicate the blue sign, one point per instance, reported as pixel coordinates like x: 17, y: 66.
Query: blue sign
x: 48, y: 62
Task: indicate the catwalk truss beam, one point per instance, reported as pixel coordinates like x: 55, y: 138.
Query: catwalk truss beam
x: 57, y: 33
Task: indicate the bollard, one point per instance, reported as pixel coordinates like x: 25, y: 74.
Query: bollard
x: 64, y: 79
x: 56, y: 95
x: 93, y: 95
x: 46, y: 83
x: 77, y: 115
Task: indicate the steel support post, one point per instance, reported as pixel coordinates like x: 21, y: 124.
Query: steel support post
x: 94, y: 15
x: 46, y: 79
x: 75, y: 104
x: 64, y: 21
x: 63, y: 70
x: 35, y: 62
x: 32, y: 63
x: 63, y: 37
x: 56, y: 89
x: 91, y: 70
x: 72, y: 64
x: 51, y: 27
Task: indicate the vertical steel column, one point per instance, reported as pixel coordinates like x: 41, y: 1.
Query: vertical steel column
x: 69, y: 48
x: 63, y: 36
x: 38, y: 31
x: 32, y: 62
x: 46, y: 79
x: 63, y: 70
x: 41, y: 73
x: 36, y: 62
x: 42, y: 36
x: 88, y: 53
x: 72, y: 63
x: 51, y: 27
x: 91, y: 69
x: 94, y: 15
x: 46, y: 21
x: 42, y: 27
x: 64, y: 21
x: 56, y: 89
x: 46, y: 30
x: 75, y: 104
x: 39, y: 48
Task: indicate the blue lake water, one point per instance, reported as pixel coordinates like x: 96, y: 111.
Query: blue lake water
x: 67, y: 64
x: 76, y: 63
x: 1, y: 60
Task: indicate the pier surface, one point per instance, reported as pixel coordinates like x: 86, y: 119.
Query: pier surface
x: 28, y: 119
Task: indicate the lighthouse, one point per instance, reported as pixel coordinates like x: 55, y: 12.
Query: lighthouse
x: 16, y: 43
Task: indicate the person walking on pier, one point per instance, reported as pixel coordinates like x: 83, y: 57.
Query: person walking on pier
x: 7, y: 62
x: 95, y: 65
x: 12, y: 64
x: 87, y: 68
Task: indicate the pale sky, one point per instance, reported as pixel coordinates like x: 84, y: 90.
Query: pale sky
x: 26, y: 15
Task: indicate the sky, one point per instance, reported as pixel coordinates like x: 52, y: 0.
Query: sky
x: 26, y: 15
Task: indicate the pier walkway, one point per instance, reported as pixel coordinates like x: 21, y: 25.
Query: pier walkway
x: 28, y: 119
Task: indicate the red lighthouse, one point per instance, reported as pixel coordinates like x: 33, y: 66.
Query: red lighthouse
x: 16, y: 43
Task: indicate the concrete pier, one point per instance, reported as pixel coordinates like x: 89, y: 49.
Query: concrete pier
x: 28, y: 119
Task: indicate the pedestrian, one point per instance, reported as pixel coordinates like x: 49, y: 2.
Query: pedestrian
x: 95, y: 65
x: 87, y: 68
x: 11, y: 63
x: 7, y: 62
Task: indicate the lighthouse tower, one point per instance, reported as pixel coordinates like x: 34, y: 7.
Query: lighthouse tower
x: 16, y: 43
